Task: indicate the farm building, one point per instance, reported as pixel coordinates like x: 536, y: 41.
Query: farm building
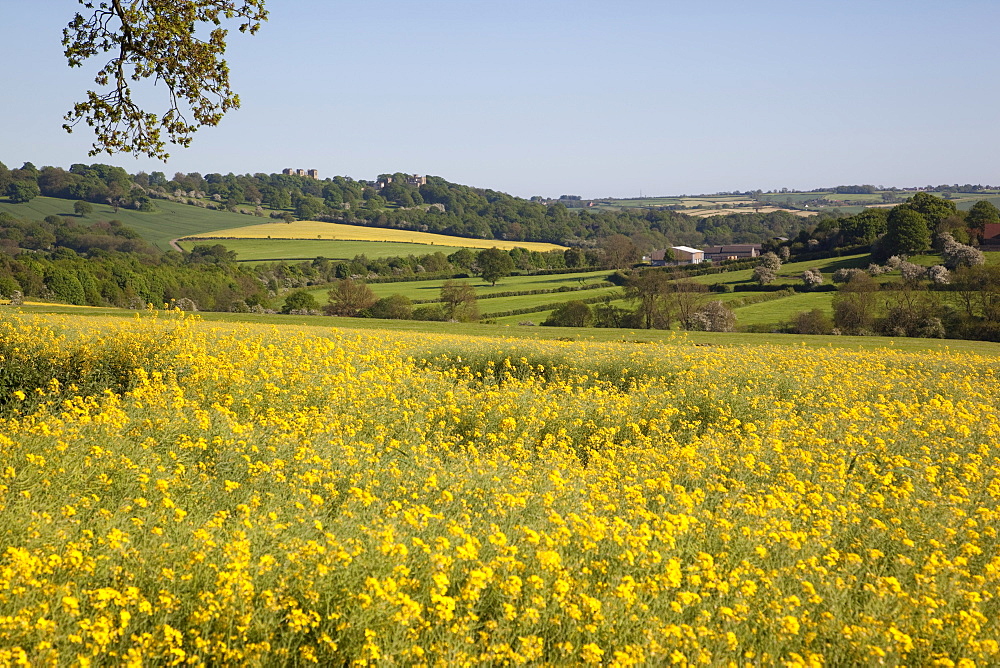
x: 659, y: 258
x: 731, y: 252
x: 676, y: 255
x: 687, y: 255
x: 991, y: 235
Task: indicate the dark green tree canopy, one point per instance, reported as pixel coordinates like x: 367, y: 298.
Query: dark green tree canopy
x: 300, y: 300
x: 159, y: 40
x: 982, y: 213
x: 494, y: 264
x: 865, y: 226
x: 907, y: 233
x: 574, y: 313
x: 22, y: 191
x: 933, y: 209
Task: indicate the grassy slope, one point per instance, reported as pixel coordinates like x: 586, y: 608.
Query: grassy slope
x: 790, y: 271
x: 172, y: 220
x: 783, y: 310
x: 770, y: 312
x: 324, y: 324
x: 501, y: 304
x: 928, y: 260
x: 169, y: 221
x: 431, y: 289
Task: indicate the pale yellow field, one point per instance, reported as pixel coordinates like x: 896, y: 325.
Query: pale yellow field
x: 713, y: 202
x: 313, y: 229
x: 704, y: 213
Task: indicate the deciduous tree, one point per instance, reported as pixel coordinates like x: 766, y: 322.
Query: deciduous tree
x: 459, y: 299
x: 300, y: 301
x: 713, y: 317
x: 494, y: 264
x: 393, y: 307
x: 20, y: 192
x: 982, y: 213
x: 764, y: 274
x: 648, y: 289
x: 619, y: 251
x: 855, y: 304
x: 907, y: 233
x: 348, y: 297
x: 575, y: 313
x: 162, y: 40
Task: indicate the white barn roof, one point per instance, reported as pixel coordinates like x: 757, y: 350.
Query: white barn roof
x: 686, y: 249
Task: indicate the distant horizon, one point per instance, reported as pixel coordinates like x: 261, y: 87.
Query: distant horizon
x: 553, y: 97
x: 169, y: 173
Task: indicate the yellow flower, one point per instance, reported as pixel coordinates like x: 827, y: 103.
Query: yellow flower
x: 591, y: 653
x: 790, y: 624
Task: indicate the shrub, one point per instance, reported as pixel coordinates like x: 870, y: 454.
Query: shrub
x: 349, y: 297
x: 573, y: 313
x: 770, y: 260
x: 875, y: 270
x: 939, y: 275
x: 812, y: 278
x: 433, y: 312
x: 393, y: 307
x: 184, y: 304
x: 713, y: 317
x: 812, y: 322
x: 764, y: 275
x: 911, y: 272
x: 959, y: 255
x: 845, y: 274
x: 300, y: 300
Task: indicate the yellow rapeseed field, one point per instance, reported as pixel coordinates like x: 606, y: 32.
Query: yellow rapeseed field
x: 179, y: 493
x: 312, y: 229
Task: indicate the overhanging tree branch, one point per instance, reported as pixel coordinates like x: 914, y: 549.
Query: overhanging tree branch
x: 155, y: 39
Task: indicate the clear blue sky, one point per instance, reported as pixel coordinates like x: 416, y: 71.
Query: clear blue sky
x: 553, y: 97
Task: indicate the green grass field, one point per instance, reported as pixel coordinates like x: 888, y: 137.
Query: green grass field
x: 169, y: 221
x: 263, y: 250
x: 790, y: 271
x: 422, y: 290
x: 771, y: 312
x: 784, y: 309
x: 501, y: 304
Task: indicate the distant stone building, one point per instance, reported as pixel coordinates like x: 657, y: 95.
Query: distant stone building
x: 415, y: 180
x: 311, y: 173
